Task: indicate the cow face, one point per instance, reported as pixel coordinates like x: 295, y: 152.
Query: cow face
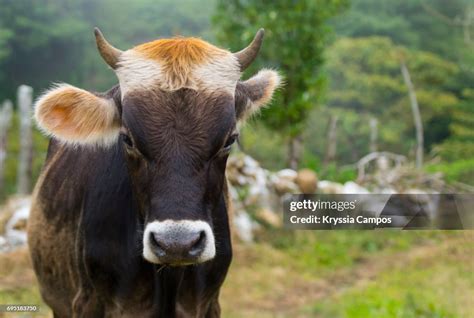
x: 176, y: 119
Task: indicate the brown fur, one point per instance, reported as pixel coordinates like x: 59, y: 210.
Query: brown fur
x: 85, y: 218
x: 48, y: 256
x: 179, y: 54
x: 178, y: 58
x: 160, y: 111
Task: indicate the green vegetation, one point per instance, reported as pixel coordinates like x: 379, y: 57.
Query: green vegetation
x: 340, y: 59
x: 352, y: 72
x: 362, y: 68
x: 40, y: 144
x: 457, y: 151
x: 52, y: 41
x: 372, y: 65
x: 364, y: 63
x: 431, y: 284
x: 295, y: 40
x: 354, y: 274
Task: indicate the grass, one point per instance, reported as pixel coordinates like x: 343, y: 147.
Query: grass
x: 326, y: 251
x: 436, y: 283
x: 350, y: 274
x: 18, y: 284
x: 324, y: 274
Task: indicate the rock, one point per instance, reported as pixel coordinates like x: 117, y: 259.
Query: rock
x: 3, y: 244
x: 236, y: 162
x: 244, y: 227
x: 12, y: 205
x: 250, y: 165
x: 233, y: 194
x: 14, y: 215
x: 418, y: 196
x: 233, y: 171
x: 20, y: 225
x: 15, y: 229
x: 244, y: 171
x: 5, y: 215
x: 329, y: 187
x: 386, y: 191
x: 284, y: 181
x: 269, y: 217
x: 351, y: 187
x: 258, y: 193
x: 307, y: 181
x: 287, y: 174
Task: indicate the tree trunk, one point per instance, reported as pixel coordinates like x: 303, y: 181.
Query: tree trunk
x: 416, y: 115
x: 5, y: 121
x: 331, y: 147
x: 352, y: 144
x: 25, y: 98
x: 294, y: 151
x: 373, y: 134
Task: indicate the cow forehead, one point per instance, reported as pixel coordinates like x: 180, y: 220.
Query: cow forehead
x: 184, y: 115
x: 172, y: 64
x: 178, y: 105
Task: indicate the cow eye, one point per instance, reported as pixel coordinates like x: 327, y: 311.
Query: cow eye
x: 230, y: 141
x: 127, y: 140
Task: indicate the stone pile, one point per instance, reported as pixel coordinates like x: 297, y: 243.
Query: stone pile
x: 257, y: 197
x: 13, y: 221
x: 258, y: 194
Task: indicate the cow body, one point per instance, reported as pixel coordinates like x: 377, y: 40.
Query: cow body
x: 129, y: 216
x: 86, y: 245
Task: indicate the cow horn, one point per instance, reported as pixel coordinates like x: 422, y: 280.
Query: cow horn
x: 110, y: 54
x: 248, y: 55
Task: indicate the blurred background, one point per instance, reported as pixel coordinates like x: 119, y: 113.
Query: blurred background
x: 379, y: 98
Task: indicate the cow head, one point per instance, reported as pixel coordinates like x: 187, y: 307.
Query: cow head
x: 176, y: 117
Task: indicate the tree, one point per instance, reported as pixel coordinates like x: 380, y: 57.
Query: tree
x: 41, y: 40
x: 416, y: 24
x: 460, y: 145
x: 296, y: 34
x: 52, y: 41
x: 416, y: 114
x: 365, y: 77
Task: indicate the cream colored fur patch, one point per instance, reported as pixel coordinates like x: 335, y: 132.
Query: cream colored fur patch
x: 190, y: 63
x: 76, y: 116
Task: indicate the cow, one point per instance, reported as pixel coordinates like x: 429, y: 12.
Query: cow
x: 130, y: 212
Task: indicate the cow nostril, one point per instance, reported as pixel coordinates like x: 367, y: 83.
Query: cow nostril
x: 179, y: 245
x: 198, y: 244
x: 159, y: 249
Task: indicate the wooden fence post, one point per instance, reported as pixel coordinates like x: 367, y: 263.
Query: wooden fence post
x: 25, y: 101
x: 6, y: 112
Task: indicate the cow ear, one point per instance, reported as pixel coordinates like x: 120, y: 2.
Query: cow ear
x: 256, y: 92
x: 76, y: 116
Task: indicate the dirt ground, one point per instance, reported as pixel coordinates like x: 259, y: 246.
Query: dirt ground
x: 263, y: 282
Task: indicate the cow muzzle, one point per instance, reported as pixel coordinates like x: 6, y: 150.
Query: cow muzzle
x: 177, y: 243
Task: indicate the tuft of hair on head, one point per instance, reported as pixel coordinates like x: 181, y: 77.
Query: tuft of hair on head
x: 179, y: 56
